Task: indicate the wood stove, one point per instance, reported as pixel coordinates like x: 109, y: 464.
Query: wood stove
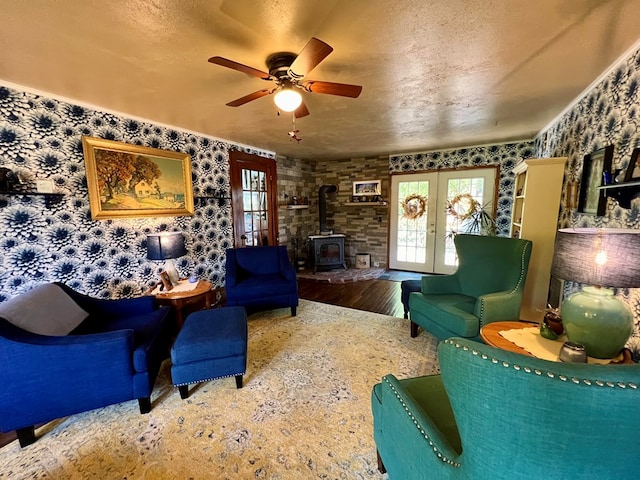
x: 327, y: 251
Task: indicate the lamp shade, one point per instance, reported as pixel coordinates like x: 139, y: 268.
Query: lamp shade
x: 606, y: 257
x: 161, y: 246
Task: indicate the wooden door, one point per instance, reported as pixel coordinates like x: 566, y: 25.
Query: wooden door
x: 254, y: 199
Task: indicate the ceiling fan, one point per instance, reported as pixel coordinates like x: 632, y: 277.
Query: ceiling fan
x: 288, y: 71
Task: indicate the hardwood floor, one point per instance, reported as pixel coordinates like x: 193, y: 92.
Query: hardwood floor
x: 378, y: 296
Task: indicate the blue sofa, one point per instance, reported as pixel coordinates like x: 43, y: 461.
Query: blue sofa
x: 261, y: 278
x: 111, y: 354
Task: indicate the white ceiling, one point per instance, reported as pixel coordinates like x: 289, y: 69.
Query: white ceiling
x: 435, y: 74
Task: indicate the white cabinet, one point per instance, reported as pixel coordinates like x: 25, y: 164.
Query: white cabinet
x: 536, y: 206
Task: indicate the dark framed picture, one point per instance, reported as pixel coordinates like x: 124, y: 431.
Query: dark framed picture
x: 633, y: 170
x: 593, y: 201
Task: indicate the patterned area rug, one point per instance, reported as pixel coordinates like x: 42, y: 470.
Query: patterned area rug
x: 304, y: 411
x: 340, y: 275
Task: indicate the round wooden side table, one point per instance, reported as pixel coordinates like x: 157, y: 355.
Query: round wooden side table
x: 201, y: 297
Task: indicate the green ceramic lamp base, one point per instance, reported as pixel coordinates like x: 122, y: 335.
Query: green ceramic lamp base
x: 595, y: 318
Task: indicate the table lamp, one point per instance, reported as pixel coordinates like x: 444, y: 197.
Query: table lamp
x: 597, y: 258
x: 166, y: 246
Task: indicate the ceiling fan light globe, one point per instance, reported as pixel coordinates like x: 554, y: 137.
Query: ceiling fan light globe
x: 287, y: 100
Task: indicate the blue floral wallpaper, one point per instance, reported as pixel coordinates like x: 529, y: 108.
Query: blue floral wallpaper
x: 505, y: 155
x: 609, y: 114
x: 41, y: 138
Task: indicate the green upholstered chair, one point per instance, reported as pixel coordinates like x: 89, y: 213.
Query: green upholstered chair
x: 486, y: 287
x: 494, y: 415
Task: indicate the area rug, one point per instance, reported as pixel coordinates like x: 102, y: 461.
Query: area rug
x: 304, y: 411
x: 401, y: 276
x: 340, y: 275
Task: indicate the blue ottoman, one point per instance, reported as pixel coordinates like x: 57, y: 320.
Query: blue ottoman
x: 406, y: 287
x: 211, y: 344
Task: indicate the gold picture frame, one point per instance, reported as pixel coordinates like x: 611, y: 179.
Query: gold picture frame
x: 133, y: 181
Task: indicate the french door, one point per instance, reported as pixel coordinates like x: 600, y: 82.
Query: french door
x: 427, y: 210
x: 254, y: 199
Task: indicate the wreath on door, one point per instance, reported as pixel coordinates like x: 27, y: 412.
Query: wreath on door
x: 463, y: 207
x: 414, y: 206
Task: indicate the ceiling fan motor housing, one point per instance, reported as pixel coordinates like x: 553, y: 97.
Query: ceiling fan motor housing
x: 279, y: 63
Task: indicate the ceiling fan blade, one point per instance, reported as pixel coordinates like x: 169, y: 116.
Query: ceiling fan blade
x: 311, y: 55
x: 301, y: 111
x: 249, y: 98
x: 330, y: 88
x: 224, y: 62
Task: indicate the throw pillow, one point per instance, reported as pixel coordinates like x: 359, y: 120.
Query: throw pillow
x: 45, y: 310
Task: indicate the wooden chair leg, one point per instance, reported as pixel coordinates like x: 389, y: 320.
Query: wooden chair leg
x: 144, y: 404
x: 184, y: 391
x: 238, y: 381
x: 381, y: 468
x: 293, y: 311
x: 26, y: 436
x: 414, y: 330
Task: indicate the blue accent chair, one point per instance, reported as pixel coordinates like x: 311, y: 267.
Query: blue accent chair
x: 261, y: 278
x: 112, y: 356
x: 487, y: 287
x: 498, y: 415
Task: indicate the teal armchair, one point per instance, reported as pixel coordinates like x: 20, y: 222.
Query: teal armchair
x: 486, y: 287
x: 494, y: 415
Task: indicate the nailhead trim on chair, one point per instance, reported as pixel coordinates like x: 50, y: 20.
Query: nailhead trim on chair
x: 512, y: 292
x: 208, y: 379
x: 420, y: 429
x: 539, y: 372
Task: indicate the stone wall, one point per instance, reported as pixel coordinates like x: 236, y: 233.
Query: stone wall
x: 296, y: 178
x: 365, y: 226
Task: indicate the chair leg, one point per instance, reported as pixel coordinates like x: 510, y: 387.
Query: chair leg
x: 238, y: 381
x: 381, y: 468
x: 293, y: 311
x: 26, y: 436
x: 144, y: 404
x: 414, y: 330
x: 184, y: 391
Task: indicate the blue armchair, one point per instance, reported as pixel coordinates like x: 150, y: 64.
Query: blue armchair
x: 261, y: 278
x: 487, y: 287
x: 111, y: 356
x: 494, y: 415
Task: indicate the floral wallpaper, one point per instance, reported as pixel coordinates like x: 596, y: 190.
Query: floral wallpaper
x: 609, y: 114
x: 41, y: 138
x: 505, y: 155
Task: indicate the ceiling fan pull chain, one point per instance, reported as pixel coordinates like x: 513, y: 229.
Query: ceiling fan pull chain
x: 294, y: 133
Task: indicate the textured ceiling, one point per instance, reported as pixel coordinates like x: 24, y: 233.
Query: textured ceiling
x: 435, y: 74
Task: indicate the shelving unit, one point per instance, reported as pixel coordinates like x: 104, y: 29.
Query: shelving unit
x: 536, y: 205
x: 49, y: 198
x: 297, y: 207
x: 624, y: 192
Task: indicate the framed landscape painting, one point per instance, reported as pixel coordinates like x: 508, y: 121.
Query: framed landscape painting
x: 367, y: 187
x: 132, y: 181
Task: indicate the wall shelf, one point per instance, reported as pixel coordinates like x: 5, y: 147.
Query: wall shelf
x: 624, y: 192
x: 49, y: 198
x: 360, y: 204
x: 296, y: 207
